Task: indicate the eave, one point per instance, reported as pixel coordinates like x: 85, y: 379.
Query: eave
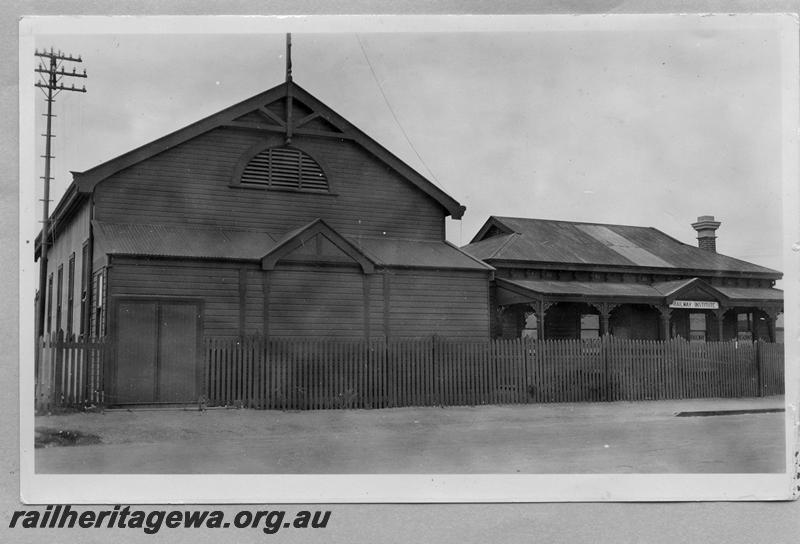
x: 622, y: 269
x: 70, y: 203
x: 87, y: 180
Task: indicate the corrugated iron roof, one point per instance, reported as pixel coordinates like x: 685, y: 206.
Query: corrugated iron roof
x: 181, y: 241
x: 751, y: 293
x: 586, y: 289
x: 565, y: 242
x: 218, y: 243
x: 623, y: 246
x: 418, y: 253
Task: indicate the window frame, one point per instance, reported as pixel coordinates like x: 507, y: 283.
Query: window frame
x: 59, y: 296
x: 50, y: 303
x: 704, y: 330
x: 749, y: 321
x: 84, y: 287
x: 70, y: 293
x: 582, y: 329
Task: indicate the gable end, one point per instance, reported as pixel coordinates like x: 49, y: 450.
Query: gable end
x: 311, y: 113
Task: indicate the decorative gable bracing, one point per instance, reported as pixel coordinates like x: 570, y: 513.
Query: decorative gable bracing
x: 190, y: 176
x: 297, y: 118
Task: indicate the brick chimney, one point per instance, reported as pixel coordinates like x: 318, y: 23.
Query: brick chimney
x: 706, y: 229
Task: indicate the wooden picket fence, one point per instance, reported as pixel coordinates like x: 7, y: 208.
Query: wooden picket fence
x: 300, y: 374
x: 68, y: 373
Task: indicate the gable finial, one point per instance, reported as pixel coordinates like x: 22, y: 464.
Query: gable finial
x: 288, y: 88
x: 288, y: 56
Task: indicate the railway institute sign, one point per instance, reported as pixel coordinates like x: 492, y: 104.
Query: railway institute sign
x: 695, y: 304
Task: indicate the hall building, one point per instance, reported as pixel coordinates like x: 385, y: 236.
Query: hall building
x: 275, y: 217
x: 563, y: 279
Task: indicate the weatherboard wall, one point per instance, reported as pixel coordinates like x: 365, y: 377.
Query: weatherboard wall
x: 190, y: 184
x: 320, y: 302
x: 214, y: 283
x: 443, y: 302
x: 311, y: 301
x: 69, y: 240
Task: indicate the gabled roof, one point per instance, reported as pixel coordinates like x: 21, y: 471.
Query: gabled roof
x: 691, y: 287
x: 301, y: 236
x: 525, y: 240
x: 87, y: 180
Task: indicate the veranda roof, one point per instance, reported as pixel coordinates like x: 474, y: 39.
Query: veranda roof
x: 522, y: 290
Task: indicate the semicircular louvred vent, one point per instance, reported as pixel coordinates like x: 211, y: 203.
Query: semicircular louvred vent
x: 285, y: 168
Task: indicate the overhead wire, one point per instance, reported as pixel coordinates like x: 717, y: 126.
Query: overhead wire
x: 394, y: 115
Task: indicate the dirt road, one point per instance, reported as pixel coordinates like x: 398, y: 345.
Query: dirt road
x: 642, y: 437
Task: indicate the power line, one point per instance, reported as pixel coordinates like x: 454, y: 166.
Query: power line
x: 380, y: 87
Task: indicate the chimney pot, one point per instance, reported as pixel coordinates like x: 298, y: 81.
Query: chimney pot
x: 706, y: 229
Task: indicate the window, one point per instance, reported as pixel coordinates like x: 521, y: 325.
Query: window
x: 100, y: 292
x: 84, y: 285
x: 285, y: 168
x: 530, y: 329
x: 590, y: 326
x: 70, y: 292
x: 744, y: 326
x: 50, y: 303
x: 697, y: 327
x: 58, y: 296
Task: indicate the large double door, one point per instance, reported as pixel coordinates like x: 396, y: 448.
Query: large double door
x: 158, y: 359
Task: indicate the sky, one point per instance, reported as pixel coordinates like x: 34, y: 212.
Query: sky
x: 641, y: 124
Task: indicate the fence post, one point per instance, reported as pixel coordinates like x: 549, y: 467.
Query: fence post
x: 759, y: 367
x: 84, y: 363
x: 58, y: 390
x: 386, y: 373
x: 437, y: 372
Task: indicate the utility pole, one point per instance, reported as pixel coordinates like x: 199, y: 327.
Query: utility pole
x: 52, y: 71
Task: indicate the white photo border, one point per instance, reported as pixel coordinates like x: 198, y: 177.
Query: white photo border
x: 160, y: 489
